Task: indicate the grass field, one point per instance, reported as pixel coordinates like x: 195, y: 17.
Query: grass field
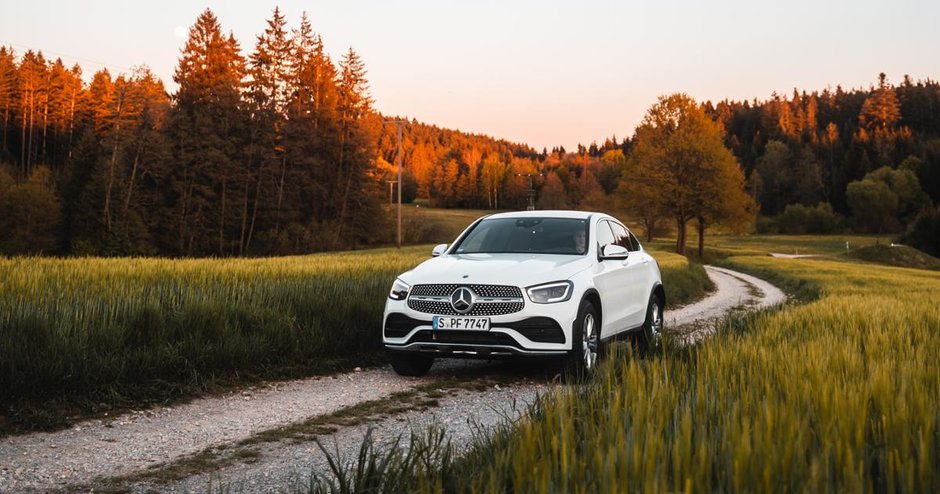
x: 89, y: 334
x: 97, y: 333
x: 424, y: 225
x: 838, y: 394
x: 718, y: 246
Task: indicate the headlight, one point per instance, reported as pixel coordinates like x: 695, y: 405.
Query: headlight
x: 550, y: 293
x: 399, y: 290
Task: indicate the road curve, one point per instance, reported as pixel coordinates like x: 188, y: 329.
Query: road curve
x: 81, y: 457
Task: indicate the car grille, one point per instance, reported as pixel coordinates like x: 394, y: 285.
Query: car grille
x: 491, y: 300
x: 444, y: 290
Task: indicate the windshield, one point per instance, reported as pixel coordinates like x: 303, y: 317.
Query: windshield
x: 526, y: 235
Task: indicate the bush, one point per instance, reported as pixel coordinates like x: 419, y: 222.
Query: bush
x: 800, y: 219
x: 924, y: 232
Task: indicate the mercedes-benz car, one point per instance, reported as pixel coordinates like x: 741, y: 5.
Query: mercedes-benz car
x: 526, y: 284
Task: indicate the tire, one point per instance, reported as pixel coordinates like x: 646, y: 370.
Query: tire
x: 587, y: 348
x: 652, y: 336
x: 409, y: 364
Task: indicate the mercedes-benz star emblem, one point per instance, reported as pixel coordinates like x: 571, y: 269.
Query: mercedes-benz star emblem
x: 462, y: 300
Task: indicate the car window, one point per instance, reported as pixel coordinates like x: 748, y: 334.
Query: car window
x: 634, y: 241
x: 604, y: 235
x: 621, y: 236
x: 526, y: 235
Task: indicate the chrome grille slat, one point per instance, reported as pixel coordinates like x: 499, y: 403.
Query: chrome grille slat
x: 492, y: 300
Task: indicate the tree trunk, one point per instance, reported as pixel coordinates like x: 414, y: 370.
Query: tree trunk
x: 680, y: 236
x: 222, y: 219
x: 130, y: 185
x: 241, y: 239
x: 280, y: 191
x: 71, y: 121
x: 701, y: 237
x: 342, y: 214
x: 23, y: 147
x: 254, y: 210
x: 650, y: 223
x: 45, y: 125
x: 116, y: 135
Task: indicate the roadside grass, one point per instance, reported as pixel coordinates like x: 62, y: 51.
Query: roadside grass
x: 720, y: 246
x: 836, y: 394
x: 85, y: 336
x: 684, y: 281
x: 80, y: 336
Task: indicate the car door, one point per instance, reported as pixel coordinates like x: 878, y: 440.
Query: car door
x: 610, y: 281
x: 634, y: 277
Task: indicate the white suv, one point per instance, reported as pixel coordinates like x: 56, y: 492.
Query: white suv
x: 534, y: 283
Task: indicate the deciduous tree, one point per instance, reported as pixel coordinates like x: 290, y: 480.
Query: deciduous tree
x: 679, y: 160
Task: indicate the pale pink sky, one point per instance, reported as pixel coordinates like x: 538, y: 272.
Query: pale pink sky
x: 544, y: 73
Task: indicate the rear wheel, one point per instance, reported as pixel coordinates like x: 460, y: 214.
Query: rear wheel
x: 586, y: 349
x: 652, y: 336
x: 409, y: 364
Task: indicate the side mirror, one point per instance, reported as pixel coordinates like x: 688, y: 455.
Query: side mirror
x: 613, y: 251
x: 439, y: 250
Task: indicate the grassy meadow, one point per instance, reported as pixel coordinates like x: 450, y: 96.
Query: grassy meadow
x: 97, y: 332
x: 90, y: 334
x: 839, y: 393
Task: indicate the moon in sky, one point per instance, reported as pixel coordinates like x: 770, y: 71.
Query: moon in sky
x: 179, y: 32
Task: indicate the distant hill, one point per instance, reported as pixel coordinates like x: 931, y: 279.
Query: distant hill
x: 896, y: 255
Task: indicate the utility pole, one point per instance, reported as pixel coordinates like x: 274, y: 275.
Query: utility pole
x: 390, y: 196
x: 531, y: 191
x: 398, y: 159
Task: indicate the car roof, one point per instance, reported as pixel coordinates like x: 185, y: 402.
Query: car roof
x: 581, y: 215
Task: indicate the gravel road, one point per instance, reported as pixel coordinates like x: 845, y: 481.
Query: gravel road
x: 92, y: 452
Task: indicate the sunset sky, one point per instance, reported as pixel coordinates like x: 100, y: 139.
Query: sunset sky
x: 545, y: 73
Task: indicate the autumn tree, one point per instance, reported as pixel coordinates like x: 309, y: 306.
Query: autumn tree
x: 679, y: 154
x: 553, y: 194
x: 493, y: 175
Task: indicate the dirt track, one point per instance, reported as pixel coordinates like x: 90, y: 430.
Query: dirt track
x: 456, y: 395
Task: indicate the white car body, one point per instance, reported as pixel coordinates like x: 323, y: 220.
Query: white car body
x: 621, y: 288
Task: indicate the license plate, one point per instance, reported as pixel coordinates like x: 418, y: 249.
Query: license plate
x: 452, y: 322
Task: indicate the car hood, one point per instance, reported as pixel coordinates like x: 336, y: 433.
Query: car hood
x: 497, y: 269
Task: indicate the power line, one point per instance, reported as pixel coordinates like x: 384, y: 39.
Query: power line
x: 68, y: 57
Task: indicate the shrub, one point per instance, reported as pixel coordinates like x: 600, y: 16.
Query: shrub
x: 924, y: 232
x: 800, y: 219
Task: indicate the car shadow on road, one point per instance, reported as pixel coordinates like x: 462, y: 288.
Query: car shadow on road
x: 533, y: 370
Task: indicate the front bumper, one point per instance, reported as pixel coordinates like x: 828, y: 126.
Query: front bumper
x: 536, y: 330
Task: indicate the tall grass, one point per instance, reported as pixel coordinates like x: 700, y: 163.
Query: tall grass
x: 683, y: 281
x: 106, y: 330
x: 839, y: 394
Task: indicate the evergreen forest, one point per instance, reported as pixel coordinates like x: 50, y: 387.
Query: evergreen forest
x: 275, y: 148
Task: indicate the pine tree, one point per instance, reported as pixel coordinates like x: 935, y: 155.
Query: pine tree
x: 207, y: 127
x: 269, y: 90
x: 32, y: 72
x: 881, y: 109
x: 8, y: 99
x: 356, y: 194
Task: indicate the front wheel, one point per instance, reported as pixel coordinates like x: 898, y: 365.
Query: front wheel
x: 586, y: 347
x: 653, y: 325
x: 408, y: 364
